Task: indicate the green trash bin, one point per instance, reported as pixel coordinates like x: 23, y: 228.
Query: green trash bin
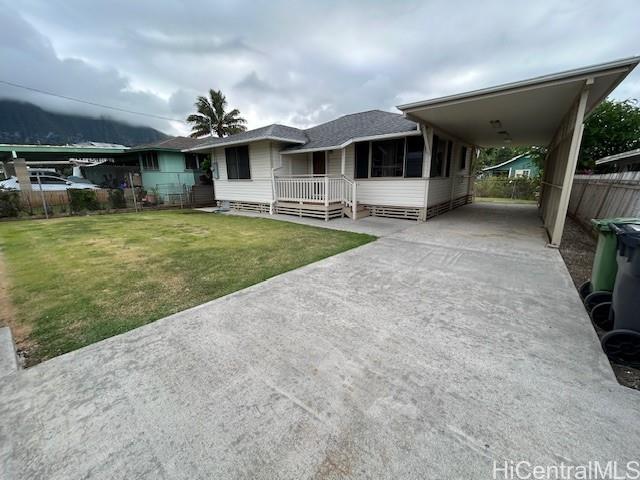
x: 596, y: 293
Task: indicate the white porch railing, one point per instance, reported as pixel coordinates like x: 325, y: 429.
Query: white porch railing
x: 319, y: 189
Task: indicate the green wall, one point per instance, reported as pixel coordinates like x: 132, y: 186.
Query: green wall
x: 171, y: 174
x: 522, y: 163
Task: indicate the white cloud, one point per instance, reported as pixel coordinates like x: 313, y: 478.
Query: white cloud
x: 299, y: 62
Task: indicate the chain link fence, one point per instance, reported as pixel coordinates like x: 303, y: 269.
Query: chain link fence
x: 508, y: 188
x: 45, y: 204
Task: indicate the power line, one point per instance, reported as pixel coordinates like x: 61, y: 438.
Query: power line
x: 87, y: 102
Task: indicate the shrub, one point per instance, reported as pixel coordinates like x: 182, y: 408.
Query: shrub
x: 502, y: 187
x: 10, y: 203
x: 81, y: 199
x: 116, y: 199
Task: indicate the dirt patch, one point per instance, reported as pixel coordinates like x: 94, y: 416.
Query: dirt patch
x: 577, y: 249
x: 8, y: 316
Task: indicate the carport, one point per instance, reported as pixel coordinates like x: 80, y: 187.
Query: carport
x: 546, y: 111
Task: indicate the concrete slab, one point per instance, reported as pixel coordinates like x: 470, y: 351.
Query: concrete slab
x: 378, y: 226
x: 430, y: 353
x: 8, y: 359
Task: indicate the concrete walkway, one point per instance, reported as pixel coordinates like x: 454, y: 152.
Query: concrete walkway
x: 429, y: 353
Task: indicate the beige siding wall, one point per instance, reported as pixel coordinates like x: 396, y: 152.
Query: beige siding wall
x: 444, y: 189
x: 258, y: 188
x: 335, y: 161
x: 403, y: 192
x: 299, y: 163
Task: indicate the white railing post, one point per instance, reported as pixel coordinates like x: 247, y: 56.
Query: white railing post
x: 326, y: 191
x: 354, y: 208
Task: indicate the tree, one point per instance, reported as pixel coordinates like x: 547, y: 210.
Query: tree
x: 212, y: 119
x: 613, y: 127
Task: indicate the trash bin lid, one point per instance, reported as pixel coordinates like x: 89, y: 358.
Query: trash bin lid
x: 628, y: 234
x: 602, y: 224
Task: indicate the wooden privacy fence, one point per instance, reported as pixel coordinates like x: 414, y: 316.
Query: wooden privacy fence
x: 605, y: 196
x: 56, y: 199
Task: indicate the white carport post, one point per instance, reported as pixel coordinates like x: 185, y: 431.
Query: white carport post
x: 560, y: 165
x: 427, y: 136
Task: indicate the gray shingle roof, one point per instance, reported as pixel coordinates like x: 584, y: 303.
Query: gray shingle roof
x: 325, y: 135
x: 172, y: 143
x: 355, y: 125
x: 270, y: 131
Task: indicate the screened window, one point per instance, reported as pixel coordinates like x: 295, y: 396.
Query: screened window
x: 437, y: 156
x: 362, y: 160
x: 387, y: 157
x: 414, y: 158
x: 191, y: 161
x: 237, y: 162
x: 463, y: 158
x: 150, y: 161
x: 449, y: 153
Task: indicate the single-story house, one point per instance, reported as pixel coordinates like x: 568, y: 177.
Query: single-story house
x: 364, y: 163
x: 516, y: 167
x: 414, y: 165
x: 165, y: 167
x: 620, y: 162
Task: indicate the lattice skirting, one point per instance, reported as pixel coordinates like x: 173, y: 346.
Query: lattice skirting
x: 412, y: 213
x: 250, y: 206
x: 443, y: 207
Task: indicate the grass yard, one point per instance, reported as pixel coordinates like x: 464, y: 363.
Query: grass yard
x: 74, y: 281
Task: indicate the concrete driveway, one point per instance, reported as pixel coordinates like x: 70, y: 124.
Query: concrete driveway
x: 429, y: 353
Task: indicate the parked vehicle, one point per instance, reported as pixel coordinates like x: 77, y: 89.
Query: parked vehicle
x: 50, y: 183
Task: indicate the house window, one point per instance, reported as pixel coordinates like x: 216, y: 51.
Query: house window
x: 524, y: 173
x: 191, y: 161
x: 437, y: 156
x: 150, y: 160
x: 362, y: 160
x: 449, y: 154
x: 237, y: 162
x: 414, y: 156
x: 463, y: 158
x: 387, y: 158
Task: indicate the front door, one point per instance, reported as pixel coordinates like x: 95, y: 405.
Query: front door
x: 319, y: 167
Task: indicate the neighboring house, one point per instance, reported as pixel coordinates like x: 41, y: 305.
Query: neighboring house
x: 517, y: 167
x: 621, y: 162
x: 372, y: 162
x: 164, y: 165
x: 161, y: 165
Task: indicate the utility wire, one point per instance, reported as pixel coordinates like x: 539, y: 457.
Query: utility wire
x: 87, y: 102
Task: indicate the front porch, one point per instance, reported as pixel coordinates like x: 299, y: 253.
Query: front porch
x: 316, y: 196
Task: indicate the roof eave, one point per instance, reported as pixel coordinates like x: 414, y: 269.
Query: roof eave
x: 568, y: 76
x: 242, y: 142
x: 406, y: 133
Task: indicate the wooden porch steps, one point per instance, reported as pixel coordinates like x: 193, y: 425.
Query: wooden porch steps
x: 361, y: 212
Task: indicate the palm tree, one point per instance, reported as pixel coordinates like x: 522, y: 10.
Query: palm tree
x: 212, y: 119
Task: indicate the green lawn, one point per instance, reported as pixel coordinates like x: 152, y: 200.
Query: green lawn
x: 75, y: 281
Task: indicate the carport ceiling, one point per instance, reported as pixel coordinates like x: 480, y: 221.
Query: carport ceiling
x: 521, y: 113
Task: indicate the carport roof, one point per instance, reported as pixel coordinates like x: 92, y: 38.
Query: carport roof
x: 521, y: 113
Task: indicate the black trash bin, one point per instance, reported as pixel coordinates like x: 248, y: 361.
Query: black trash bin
x: 622, y: 344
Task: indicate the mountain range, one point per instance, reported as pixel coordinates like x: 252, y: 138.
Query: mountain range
x: 25, y: 123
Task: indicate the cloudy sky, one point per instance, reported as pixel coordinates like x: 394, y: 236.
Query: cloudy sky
x: 297, y: 63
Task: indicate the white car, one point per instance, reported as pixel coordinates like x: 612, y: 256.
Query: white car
x: 50, y: 183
